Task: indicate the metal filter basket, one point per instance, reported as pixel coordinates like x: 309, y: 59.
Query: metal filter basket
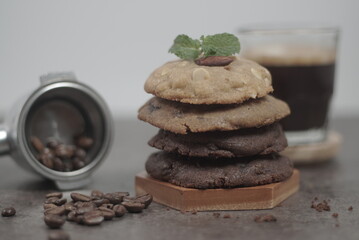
x: 62, y: 108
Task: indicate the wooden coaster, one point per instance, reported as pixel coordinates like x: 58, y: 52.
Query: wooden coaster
x: 189, y: 199
x: 315, y: 152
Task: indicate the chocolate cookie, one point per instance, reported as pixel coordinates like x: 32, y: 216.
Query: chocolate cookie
x: 218, y: 173
x: 187, y: 82
x: 184, y: 118
x: 238, y: 143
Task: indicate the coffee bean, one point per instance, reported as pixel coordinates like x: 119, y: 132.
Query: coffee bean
x: 54, y: 194
x: 133, y: 207
x: 8, y: 212
x: 116, y: 197
x: 58, y: 165
x: 85, y: 204
x: 80, y: 153
x: 107, y: 205
x: 80, y: 197
x: 84, y: 142
x: 61, y: 151
x: 69, y: 207
x: 97, y: 194
x: 55, y: 211
x: 119, y: 210
x: 68, y: 166
x: 51, y: 200
x: 145, y: 199
x: 52, y: 143
x: 47, y: 158
x: 49, y: 205
x: 58, y: 235
x: 60, y: 202
x: 71, y: 216
x: 93, y: 218
x: 108, y: 214
x: 100, y: 202
x: 54, y: 221
x: 37, y: 144
x: 83, y: 210
x: 78, y: 163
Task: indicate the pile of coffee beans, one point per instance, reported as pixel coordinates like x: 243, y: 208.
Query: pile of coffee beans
x: 63, y: 157
x: 91, y: 209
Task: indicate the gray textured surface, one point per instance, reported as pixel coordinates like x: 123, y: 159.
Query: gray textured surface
x: 337, y: 180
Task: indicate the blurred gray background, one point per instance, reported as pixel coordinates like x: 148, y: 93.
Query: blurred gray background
x: 114, y: 45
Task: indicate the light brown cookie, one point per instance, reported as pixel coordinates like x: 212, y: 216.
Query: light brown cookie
x: 187, y: 82
x: 184, y: 118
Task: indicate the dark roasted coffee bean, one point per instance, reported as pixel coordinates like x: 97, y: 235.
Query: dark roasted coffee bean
x: 116, y: 197
x: 55, y: 211
x: 8, y: 212
x: 78, y: 163
x: 145, y: 199
x: 93, y: 218
x: 133, y: 207
x: 99, y: 202
x: 51, y: 200
x: 54, y: 221
x: 69, y: 207
x: 107, y: 213
x: 52, y: 143
x: 54, y: 194
x: 71, y: 149
x: 49, y: 205
x: 37, y: 144
x: 71, y: 216
x: 107, y: 205
x: 47, y: 159
x: 85, y: 204
x: 63, y: 151
x: 60, y: 202
x: 58, y: 164
x: 58, y: 235
x: 119, y: 210
x: 84, y: 142
x: 83, y: 210
x: 80, y: 153
x: 80, y: 197
x: 97, y: 194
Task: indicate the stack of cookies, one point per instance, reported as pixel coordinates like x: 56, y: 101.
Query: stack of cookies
x: 218, y: 125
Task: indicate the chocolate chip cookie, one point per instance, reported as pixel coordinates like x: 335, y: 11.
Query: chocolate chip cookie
x: 184, y: 118
x: 238, y: 143
x: 204, y: 173
x: 187, y: 82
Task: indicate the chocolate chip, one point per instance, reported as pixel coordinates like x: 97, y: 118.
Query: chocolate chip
x: 80, y: 197
x: 58, y: 235
x: 8, y: 212
x: 54, y: 194
x: 54, y: 221
x: 133, y: 207
x: 214, y: 61
x: 119, y: 210
x: 93, y: 218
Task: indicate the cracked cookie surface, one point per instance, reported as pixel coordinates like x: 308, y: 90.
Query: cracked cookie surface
x: 215, y: 144
x: 187, y: 82
x: 184, y: 118
x: 218, y: 173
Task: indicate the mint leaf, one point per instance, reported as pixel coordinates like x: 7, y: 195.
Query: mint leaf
x: 223, y: 44
x: 185, y: 47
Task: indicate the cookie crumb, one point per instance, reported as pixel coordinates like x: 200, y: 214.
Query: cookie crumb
x: 216, y: 214
x: 322, y: 206
x: 194, y: 212
x: 167, y: 209
x: 183, y: 212
x: 226, y: 216
x: 350, y: 208
x: 265, y: 218
x: 335, y: 215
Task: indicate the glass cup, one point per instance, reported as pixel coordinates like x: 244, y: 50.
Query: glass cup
x: 302, y: 64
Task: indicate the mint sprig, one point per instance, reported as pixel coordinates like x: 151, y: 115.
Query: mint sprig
x: 223, y: 44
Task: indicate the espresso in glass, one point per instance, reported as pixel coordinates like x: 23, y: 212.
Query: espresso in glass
x: 302, y: 75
